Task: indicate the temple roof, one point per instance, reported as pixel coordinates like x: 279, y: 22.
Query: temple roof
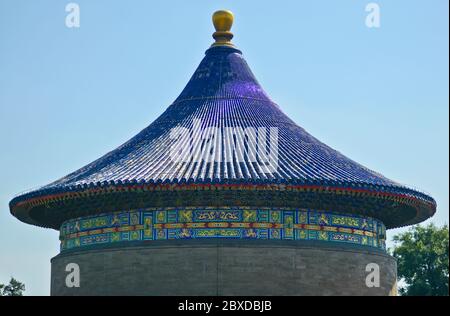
x: 223, y: 130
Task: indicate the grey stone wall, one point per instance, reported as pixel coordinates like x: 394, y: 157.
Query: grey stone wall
x: 224, y: 268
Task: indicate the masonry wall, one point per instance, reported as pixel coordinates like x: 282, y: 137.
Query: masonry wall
x: 224, y: 268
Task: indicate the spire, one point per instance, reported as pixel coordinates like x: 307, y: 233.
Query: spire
x: 223, y: 21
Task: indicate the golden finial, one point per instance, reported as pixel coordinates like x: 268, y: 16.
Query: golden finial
x: 223, y: 20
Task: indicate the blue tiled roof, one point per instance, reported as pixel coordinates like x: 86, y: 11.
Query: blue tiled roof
x: 222, y: 93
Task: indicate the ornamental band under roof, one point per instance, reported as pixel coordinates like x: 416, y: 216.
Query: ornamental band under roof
x: 223, y: 150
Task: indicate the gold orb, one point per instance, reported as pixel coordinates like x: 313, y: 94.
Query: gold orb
x: 223, y: 20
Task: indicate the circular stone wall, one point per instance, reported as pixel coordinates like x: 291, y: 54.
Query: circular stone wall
x: 225, y: 267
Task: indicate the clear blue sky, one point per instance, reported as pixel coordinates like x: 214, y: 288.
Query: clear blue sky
x: 67, y: 96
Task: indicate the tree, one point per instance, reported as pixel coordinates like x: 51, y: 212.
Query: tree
x: 14, y: 288
x: 422, y: 260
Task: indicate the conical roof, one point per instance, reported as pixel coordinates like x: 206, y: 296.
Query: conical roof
x: 223, y: 141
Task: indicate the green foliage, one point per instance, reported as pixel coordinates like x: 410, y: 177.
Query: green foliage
x: 422, y: 254
x: 14, y: 288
